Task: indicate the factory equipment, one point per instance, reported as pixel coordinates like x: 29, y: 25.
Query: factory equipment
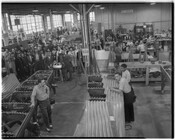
x: 95, y: 86
x: 16, y: 110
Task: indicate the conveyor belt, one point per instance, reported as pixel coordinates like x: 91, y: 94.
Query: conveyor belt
x: 17, y: 104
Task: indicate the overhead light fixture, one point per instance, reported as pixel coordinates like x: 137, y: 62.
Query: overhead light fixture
x: 96, y: 6
x: 152, y: 3
x: 54, y: 11
x: 101, y: 8
x: 67, y: 12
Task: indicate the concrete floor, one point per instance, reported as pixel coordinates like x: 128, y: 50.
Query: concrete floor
x: 152, y: 110
x: 69, y: 107
x: 152, y: 113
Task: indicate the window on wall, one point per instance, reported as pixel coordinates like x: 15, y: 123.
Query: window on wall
x: 92, y: 17
x: 39, y: 23
x: 68, y: 18
x: 78, y: 16
x: 29, y: 23
x: 48, y: 22
x: 57, y: 20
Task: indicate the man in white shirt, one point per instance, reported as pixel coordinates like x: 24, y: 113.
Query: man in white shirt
x: 40, y: 94
x: 141, y: 47
x: 124, y: 86
x: 125, y: 73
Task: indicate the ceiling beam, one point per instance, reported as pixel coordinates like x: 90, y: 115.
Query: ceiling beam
x: 74, y: 8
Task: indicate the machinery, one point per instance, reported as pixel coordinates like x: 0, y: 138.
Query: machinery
x: 16, y: 110
x: 95, y: 86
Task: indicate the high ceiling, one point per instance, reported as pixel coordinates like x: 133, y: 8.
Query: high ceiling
x: 26, y: 8
x: 56, y: 8
x: 43, y: 8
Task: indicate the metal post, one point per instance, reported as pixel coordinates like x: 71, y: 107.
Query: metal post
x: 10, y: 22
x: 44, y: 23
x: 84, y: 19
x: 51, y: 20
x: 35, y: 22
x: 63, y: 20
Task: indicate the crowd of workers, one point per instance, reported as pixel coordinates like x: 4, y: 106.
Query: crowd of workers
x: 25, y: 61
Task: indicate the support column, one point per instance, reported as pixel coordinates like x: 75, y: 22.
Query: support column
x: 63, y: 20
x: 44, y: 21
x: 112, y: 19
x: 84, y: 19
x: 51, y: 20
x: 10, y: 23
x: 75, y: 19
x: 4, y: 24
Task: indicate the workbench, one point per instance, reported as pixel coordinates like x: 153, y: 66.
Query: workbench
x: 166, y: 73
x: 125, y: 56
x: 145, y: 65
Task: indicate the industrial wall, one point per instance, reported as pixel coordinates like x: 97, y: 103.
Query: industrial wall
x: 128, y: 15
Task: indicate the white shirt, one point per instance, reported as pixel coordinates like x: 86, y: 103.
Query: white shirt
x: 41, y: 93
x: 126, y: 74
x: 124, y: 85
x: 141, y: 47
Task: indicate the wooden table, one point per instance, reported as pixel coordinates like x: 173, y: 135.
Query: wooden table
x: 146, y: 65
x: 166, y: 77
x: 125, y: 56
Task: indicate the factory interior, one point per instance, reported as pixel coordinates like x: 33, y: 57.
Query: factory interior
x: 87, y: 70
